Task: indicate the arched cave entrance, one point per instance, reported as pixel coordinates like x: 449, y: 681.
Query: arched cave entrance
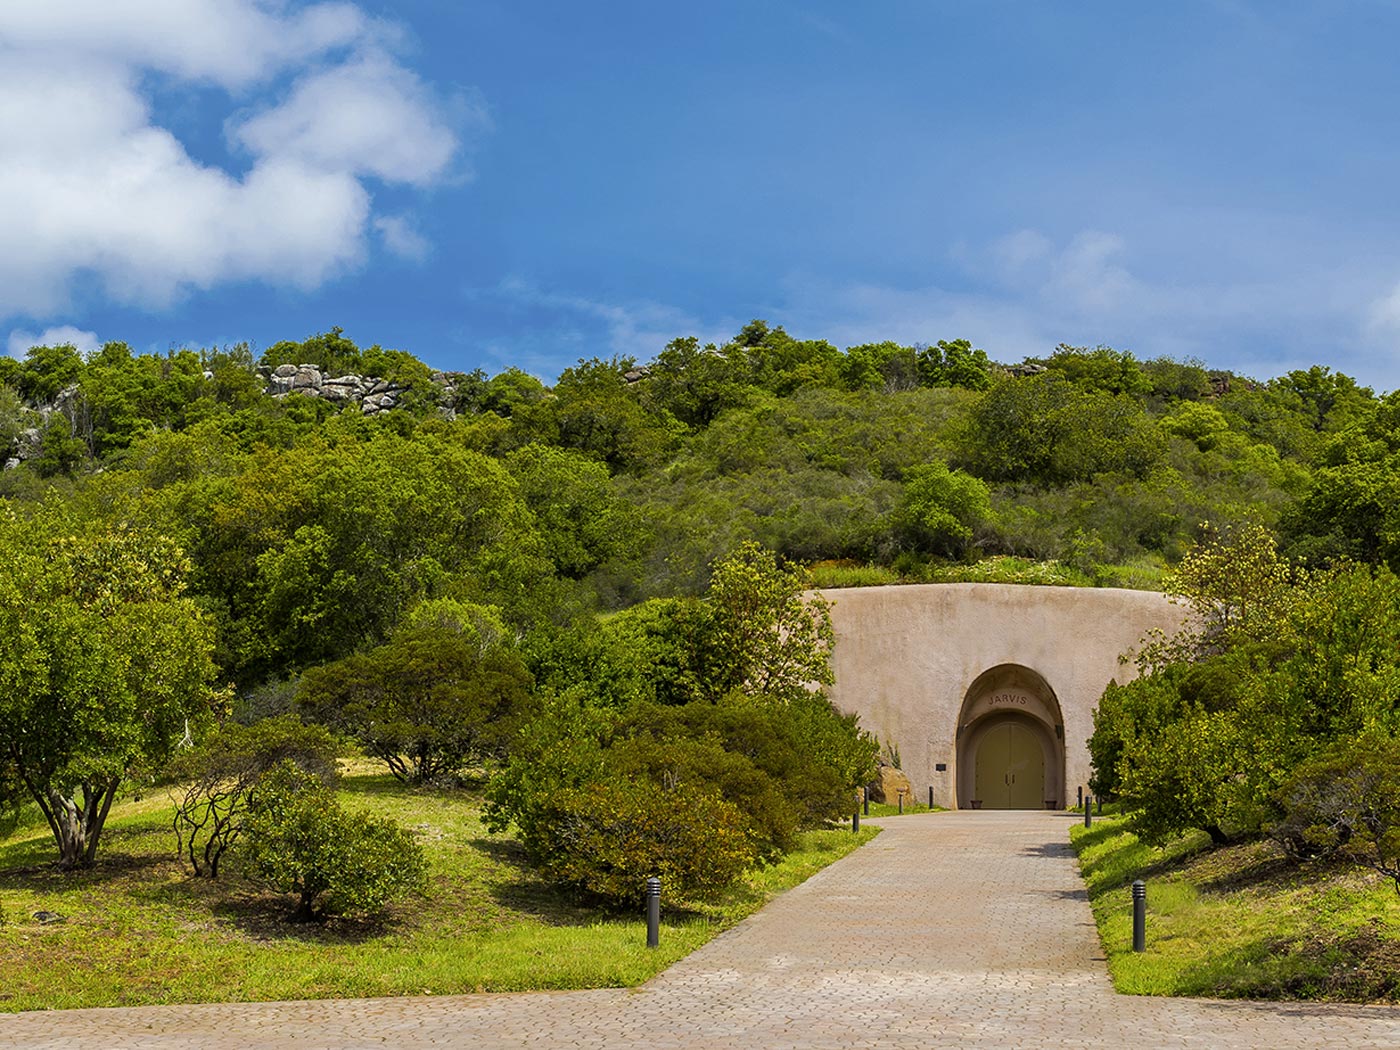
x: 1011, y: 742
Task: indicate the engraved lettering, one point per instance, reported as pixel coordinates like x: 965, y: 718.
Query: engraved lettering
x: 1000, y: 699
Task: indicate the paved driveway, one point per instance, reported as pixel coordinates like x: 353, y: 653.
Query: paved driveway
x: 956, y: 930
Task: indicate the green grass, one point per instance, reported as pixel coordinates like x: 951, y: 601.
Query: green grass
x: 1142, y: 574
x: 1240, y: 921
x: 891, y: 809
x: 826, y: 574
x: 138, y: 929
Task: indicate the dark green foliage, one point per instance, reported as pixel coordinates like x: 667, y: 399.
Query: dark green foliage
x: 437, y: 697
x: 1280, y: 667
x: 223, y: 773
x: 1100, y: 369
x: 48, y: 370
x: 757, y: 769
x: 678, y: 713
x: 299, y: 840
x: 954, y: 363
x: 1050, y: 431
x: 939, y: 508
x: 330, y: 351
x: 1346, y: 801
x: 604, y: 840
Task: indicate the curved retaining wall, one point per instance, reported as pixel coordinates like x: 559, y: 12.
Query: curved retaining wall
x: 906, y: 657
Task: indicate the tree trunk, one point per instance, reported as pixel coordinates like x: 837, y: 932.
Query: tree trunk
x: 305, y: 911
x: 77, y: 829
x: 68, y: 830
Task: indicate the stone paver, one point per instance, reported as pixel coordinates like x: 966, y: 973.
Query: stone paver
x: 959, y: 930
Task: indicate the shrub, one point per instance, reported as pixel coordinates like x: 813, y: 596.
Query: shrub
x: 1346, y: 802
x: 776, y: 766
x: 299, y: 840
x: 223, y: 774
x: 605, y: 839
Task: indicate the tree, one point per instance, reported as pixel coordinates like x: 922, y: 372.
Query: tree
x: 222, y: 775
x: 300, y: 840
x: 442, y: 693
x: 954, y: 363
x: 1047, y: 430
x: 1237, y: 586
x: 104, y: 663
x: 767, y: 635
x: 939, y: 507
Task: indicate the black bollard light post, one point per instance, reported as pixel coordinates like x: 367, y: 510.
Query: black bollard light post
x: 653, y: 912
x: 1081, y: 796
x: 855, y: 820
x: 930, y: 796
x: 1139, y: 916
x: 1088, y: 811
x: 901, y: 802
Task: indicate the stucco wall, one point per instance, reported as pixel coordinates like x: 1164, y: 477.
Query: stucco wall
x: 906, y: 656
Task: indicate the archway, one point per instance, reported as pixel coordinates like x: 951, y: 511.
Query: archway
x: 1010, y: 748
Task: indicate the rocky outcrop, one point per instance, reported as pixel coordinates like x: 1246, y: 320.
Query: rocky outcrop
x: 372, y: 394
x: 888, y: 784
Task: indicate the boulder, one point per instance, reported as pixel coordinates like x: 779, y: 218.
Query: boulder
x: 307, y: 378
x: 888, y: 783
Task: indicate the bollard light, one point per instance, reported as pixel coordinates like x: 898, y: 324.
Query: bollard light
x: 653, y: 912
x: 1139, y: 916
x: 930, y: 796
x: 1081, y: 795
x: 855, y: 821
x: 901, y: 803
x: 1088, y: 811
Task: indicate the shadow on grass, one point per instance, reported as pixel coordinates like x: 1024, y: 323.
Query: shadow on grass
x: 1357, y: 966
x: 45, y: 876
x: 384, y: 785
x: 520, y: 887
x: 266, y: 917
x: 1266, y: 867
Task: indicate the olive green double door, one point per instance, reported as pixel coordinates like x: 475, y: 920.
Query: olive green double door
x: 1010, y: 767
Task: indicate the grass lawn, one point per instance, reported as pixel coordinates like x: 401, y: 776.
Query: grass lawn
x: 138, y: 929
x: 1240, y: 921
x: 891, y: 809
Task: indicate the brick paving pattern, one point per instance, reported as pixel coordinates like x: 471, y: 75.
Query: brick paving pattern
x: 956, y: 930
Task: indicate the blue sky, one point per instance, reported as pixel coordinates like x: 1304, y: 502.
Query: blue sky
x: 489, y: 183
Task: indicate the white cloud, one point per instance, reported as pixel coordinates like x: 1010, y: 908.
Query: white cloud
x: 229, y: 42
x: 402, y: 238
x: 1032, y: 293
x: 369, y: 116
x: 20, y: 341
x: 1383, y: 316
x: 93, y: 186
